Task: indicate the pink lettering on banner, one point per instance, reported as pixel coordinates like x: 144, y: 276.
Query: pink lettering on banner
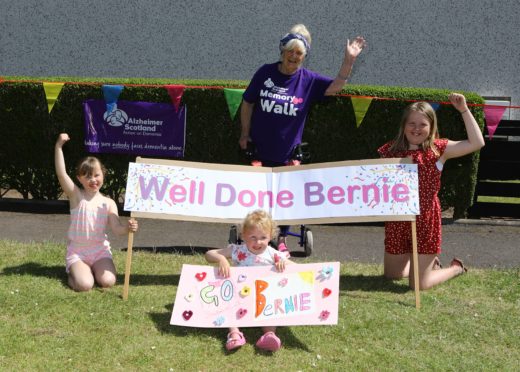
x: 304, y: 301
x: 181, y: 194
x: 400, y: 192
x: 226, y: 195
x: 278, y: 306
x: 351, y: 190
x: 178, y: 194
x: 335, y: 195
x: 261, y: 199
x: 385, y: 190
x: 375, y: 193
x: 246, y: 198
x: 284, y: 199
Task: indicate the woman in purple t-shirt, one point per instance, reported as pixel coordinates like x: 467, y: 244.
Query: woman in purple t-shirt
x: 278, y: 98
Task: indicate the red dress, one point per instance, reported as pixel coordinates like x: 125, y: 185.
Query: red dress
x: 398, y: 235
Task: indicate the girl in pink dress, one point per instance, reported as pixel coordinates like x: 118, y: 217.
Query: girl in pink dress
x: 89, y: 259
x: 418, y: 139
x: 257, y: 230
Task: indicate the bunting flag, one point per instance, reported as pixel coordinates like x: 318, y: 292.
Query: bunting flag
x: 52, y: 91
x: 175, y: 92
x: 493, y: 115
x: 360, y: 105
x: 111, y: 94
x: 435, y: 105
x: 233, y: 99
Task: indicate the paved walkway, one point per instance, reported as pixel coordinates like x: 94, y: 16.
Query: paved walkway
x: 492, y: 244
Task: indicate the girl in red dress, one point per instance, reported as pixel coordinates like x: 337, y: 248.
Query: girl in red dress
x: 418, y: 139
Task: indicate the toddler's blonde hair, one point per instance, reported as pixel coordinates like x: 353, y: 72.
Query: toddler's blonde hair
x: 259, y: 219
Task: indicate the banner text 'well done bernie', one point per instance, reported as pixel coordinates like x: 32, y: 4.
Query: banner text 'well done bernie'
x: 223, y: 193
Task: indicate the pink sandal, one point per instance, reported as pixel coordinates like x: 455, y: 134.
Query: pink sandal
x: 269, y: 341
x: 235, y: 343
x: 282, y: 248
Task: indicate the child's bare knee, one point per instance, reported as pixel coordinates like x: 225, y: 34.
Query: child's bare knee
x: 106, y: 280
x: 82, y: 284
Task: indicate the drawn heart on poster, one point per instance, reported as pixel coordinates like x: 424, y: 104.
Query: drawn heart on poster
x: 326, y: 292
x: 241, y: 313
x: 200, y: 276
x: 187, y: 314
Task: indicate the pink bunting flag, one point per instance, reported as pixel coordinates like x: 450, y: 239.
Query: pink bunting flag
x: 493, y: 115
x: 175, y: 92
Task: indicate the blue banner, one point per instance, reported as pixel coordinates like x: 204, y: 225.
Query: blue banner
x: 141, y: 128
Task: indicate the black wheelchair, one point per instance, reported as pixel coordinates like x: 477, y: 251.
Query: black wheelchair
x: 304, y: 235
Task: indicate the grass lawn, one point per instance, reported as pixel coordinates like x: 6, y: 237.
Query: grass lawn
x: 471, y: 323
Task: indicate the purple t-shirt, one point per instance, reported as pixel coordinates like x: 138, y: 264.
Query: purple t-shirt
x: 282, y: 103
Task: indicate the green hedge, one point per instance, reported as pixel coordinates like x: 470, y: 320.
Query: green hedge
x: 29, y: 132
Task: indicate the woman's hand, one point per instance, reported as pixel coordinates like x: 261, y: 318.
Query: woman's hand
x: 354, y: 48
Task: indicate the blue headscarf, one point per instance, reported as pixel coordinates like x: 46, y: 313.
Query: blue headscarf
x: 290, y: 37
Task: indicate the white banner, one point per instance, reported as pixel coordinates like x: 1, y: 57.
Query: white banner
x: 326, y: 192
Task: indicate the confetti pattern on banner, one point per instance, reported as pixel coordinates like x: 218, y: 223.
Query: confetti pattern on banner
x: 392, y: 175
x: 158, y: 180
x: 381, y: 175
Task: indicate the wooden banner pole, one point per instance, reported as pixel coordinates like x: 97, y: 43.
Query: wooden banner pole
x: 128, y: 264
x: 415, y: 266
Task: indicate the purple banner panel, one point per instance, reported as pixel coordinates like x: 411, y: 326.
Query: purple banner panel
x: 131, y: 127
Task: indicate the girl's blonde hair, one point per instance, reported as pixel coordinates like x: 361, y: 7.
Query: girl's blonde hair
x: 401, y: 143
x: 86, y: 166
x: 259, y: 219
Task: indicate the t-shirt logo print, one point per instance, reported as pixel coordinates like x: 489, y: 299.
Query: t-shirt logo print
x: 269, y: 83
x: 115, y: 118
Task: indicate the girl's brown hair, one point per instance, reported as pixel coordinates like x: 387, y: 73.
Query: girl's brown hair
x: 86, y: 166
x: 401, y: 143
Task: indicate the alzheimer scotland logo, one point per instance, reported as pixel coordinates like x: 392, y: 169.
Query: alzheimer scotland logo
x: 115, y: 117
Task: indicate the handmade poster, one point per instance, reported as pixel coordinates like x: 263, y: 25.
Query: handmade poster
x: 128, y: 127
x: 304, y: 294
x: 316, y: 193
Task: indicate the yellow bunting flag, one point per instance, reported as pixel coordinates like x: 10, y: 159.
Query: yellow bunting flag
x: 52, y: 91
x: 360, y: 105
x: 233, y: 98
